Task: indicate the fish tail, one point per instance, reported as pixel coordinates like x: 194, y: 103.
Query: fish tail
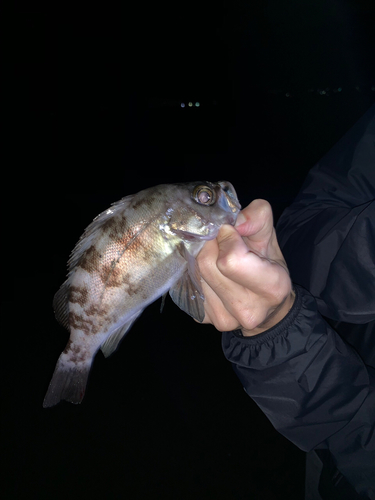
x: 68, y: 382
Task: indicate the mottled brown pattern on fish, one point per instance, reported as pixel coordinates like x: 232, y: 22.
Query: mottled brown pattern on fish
x: 91, y: 324
x: 90, y: 259
x: 67, y: 347
x: 111, y: 275
x: 92, y: 310
x: 145, y: 200
x: 77, y: 322
x: 132, y: 288
x: 116, y: 227
x: 78, y: 295
x: 76, y: 353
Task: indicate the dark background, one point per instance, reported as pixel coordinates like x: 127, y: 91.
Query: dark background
x: 95, y: 98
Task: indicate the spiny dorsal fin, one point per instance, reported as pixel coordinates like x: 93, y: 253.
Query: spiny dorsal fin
x: 92, y: 229
x: 60, y: 301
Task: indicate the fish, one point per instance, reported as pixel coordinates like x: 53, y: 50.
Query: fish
x: 142, y: 247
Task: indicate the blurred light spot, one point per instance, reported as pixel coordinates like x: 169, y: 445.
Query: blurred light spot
x: 339, y: 89
x: 190, y: 104
x: 287, y: 94
x: 182, y: 105
x: 197, y: 104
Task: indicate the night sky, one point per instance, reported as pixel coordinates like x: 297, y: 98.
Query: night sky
x: 99, y: 100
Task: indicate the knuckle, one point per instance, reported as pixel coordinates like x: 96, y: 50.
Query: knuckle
x: 252, y: 317
x: 263, y: 209
x: 281, y: 288
x: 225, y: 323
x: 228, y: 264
x: 262, y: 205
x: 249, y: 320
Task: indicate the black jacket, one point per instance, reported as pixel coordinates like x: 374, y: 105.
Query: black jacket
x: 315, y: 388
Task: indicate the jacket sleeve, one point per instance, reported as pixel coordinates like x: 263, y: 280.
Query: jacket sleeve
x: 327, y: 235
x: 313, y: 387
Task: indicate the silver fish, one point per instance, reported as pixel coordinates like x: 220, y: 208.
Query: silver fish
x: 129, y: 256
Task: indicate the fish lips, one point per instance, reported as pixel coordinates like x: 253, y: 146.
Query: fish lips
x: 228, y: 201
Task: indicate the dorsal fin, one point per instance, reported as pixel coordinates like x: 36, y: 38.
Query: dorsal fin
x: 92, y: 229
x: 60, y: 300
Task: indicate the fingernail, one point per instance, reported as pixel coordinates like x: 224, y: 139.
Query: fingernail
x: 240, y: 219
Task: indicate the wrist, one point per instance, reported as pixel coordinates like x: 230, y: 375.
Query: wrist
x: 273, y: 318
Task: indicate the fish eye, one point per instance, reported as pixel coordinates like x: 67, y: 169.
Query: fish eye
x: 204, y: 195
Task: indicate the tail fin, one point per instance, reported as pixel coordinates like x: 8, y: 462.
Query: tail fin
x: 68, y: 383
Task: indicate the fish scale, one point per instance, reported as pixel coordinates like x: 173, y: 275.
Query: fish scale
x: 130, y: 255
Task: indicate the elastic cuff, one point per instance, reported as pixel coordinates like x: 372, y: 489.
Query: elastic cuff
x: 277, y: 329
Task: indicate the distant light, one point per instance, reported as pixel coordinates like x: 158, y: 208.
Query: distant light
x: 287, y: 94
x: 197, y: 104
x: 373, y: 88
x: 190, y: 104
x: 339, y: 89
x: 182, y: 105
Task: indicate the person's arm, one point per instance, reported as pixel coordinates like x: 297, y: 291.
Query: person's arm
x: 327, y: 235
x: 312, y: 386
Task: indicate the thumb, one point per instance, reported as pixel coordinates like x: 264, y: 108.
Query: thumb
x: 256, y: 220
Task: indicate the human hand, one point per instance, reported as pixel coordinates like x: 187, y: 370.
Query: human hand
x: 246, y: 281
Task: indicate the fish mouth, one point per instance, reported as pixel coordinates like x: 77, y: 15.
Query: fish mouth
x: 230, y: 195
x: 229, y: 201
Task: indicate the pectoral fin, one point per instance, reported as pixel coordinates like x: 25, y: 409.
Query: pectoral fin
x: 162, y: 302
x: 111, y: 344
x: 187, y: 293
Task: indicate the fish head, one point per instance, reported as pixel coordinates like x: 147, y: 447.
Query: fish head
x: 205, y: 207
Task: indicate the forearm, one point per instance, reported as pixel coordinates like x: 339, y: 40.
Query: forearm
x: 312, y: 386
